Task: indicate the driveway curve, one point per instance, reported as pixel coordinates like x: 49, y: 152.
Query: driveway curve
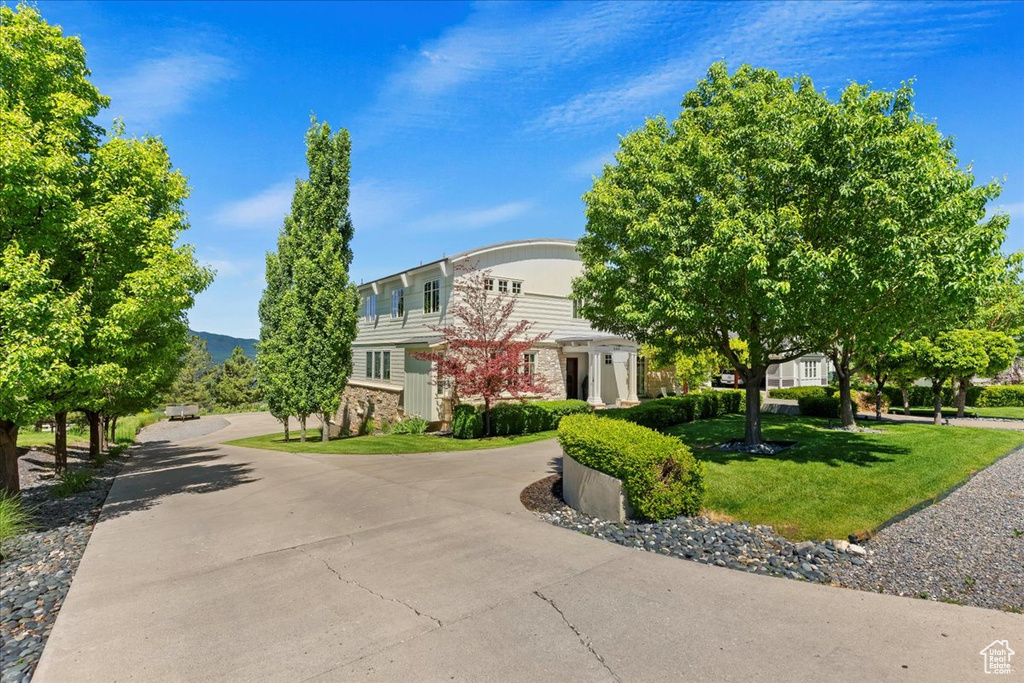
x: 214, y: 562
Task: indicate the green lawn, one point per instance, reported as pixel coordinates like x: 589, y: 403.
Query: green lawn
x: 1009, y: 412
x: 29, y: 438
x: 834, y: 483
x: 392, y: 444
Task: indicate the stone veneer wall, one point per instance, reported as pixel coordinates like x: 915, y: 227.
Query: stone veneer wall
x: 359, y: 403
x: 551, y: 366
x: 656, y: 379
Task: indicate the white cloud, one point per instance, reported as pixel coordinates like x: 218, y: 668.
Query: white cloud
x: 164, y: 86
x: 786, y: 36
x: 376, y: 204
x: 263, y: 210
x: 593, y: 165
x: 471, y: 219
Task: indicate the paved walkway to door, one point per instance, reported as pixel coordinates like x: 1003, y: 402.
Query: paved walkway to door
x: 221, y: 563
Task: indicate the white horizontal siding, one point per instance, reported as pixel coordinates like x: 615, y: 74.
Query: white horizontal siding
x: 397, y: 364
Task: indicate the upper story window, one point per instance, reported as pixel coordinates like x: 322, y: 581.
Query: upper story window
x: 397, y: 303
x: 607, y: 359
x: 370, y: 307
x: 503, y: 286
x: 432, y: 296
x: 489, y: 284
x: 577, y: 307
x: 517, y: 287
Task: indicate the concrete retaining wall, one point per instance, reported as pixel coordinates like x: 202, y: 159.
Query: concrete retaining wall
x: 594, y: 493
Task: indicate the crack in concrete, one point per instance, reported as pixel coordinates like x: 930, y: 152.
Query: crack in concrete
x: 371, y: 591
x: 583, y: 641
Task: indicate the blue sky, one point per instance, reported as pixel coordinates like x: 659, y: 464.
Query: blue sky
x: 475, y: 123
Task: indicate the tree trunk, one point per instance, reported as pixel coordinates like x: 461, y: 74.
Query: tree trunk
x: 9, y: 476
x: 879, y: 385
x: 752, y: 379
x: 906, y: 399
x: 302, y: 428
x: 937, y: 390
x: 95, y: 434
x: 686, y: 388
x: 961, y: 396
x: 325, y: 429
x: 843, y: 373
x: 113, y: 429
x: 487, y: 417
x: 60, y: 442
x: 287, y: 424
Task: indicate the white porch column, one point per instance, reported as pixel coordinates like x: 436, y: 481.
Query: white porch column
x: 632, y: 379
x: 594, y: 390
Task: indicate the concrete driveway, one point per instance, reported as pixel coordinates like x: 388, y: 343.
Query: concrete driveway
x: 220, y: 563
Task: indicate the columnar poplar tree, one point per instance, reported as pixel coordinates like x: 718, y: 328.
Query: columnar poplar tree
x: 310, y: 302
x: 483, y: 347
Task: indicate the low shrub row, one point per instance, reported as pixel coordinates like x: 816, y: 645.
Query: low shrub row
x: 796, y: 393
x: 513, y: 417
x: 662, y: 413
x: 659, y: 473
x: 999, y: 396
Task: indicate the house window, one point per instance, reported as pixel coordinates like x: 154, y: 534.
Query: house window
x: 489, y: 284
x: 607, y: 359
x: 503, y: 286
x: 397, y: 303
x: 432, y: 296
x: 376, y: 364
x: 810, y: 369
x: 529, y: 364
x: 386, y: 374
x: 517, y: 287
x: 369, y: 365
x: 576, y: 306
x: 370, y: 307
x: 641, y: 376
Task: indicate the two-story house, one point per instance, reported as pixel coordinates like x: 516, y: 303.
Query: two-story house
x: 399, y: 313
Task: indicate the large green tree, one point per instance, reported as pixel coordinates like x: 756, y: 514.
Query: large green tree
x: 695, y: 233
x: 896, y: 229
x: 39, y: 328
x: 310, y: 301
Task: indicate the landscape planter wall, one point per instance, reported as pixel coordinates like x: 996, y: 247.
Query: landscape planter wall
x: 594, y: 493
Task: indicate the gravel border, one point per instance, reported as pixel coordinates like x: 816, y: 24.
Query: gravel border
x: 39, y: 566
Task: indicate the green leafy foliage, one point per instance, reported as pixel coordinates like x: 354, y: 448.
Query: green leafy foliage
x: 815, y: 405
x: 659, y: 473
x: 514, y: 417
x: 467, y: 422
x: 413, y: 424
x: 662, y: 413
x: 15, y: 517
x: 796, y: 393
x: 72, y: 483
x: 233, y: 384
x: 999, y: 396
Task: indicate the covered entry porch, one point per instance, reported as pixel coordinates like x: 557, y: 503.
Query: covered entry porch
x: 600, y: 369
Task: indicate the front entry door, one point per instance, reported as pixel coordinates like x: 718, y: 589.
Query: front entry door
x: 572, y: 385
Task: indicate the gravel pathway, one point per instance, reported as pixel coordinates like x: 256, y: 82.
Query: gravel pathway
x: 38, y: 566
x: 967, y: 548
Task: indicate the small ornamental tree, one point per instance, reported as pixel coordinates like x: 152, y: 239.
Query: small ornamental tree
x: 895, y: 361
x: 484, y: 348
x: 957, y: 353
x: 1000, y: 350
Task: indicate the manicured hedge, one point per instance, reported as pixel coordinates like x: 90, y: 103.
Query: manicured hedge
x: 513, y: 417
x: 662, y: 413
x: 797, y: 393
x: 819, y: 406
x: 467, y: 422
x: 922, y: 397
x: 1000, y: 396
x: 659, y: 474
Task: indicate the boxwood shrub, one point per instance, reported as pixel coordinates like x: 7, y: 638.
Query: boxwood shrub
x: 513, y: 417
x: 658, y: 472
x: 662, y: 413
x: 822, y: 406
x: 1000, y: 396
x: 796, y: 393
x: 467, y: 422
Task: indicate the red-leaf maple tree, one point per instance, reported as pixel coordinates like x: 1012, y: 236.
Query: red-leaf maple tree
x: 483, y: 348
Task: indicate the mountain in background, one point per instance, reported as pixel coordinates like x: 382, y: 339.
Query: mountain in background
x: 221, y: 345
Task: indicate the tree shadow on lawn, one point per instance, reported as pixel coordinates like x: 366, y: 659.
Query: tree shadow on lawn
x: 160, y: 469
x: 814, y: 445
